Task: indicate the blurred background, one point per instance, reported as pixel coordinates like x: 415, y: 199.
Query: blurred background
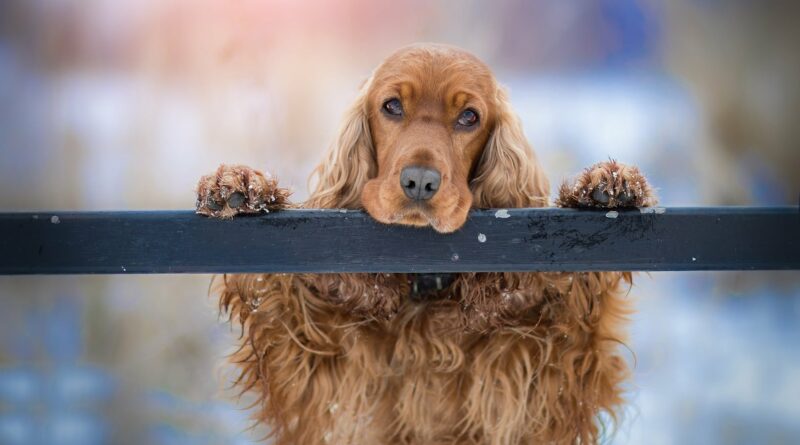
x: 111, y: 104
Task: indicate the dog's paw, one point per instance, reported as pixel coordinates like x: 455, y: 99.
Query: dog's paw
x: 236, y: 189
x: 607, y: 185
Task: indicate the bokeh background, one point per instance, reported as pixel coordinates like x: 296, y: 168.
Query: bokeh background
x: 112, y: 104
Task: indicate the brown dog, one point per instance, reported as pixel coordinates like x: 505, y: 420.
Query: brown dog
x: 492, y: 358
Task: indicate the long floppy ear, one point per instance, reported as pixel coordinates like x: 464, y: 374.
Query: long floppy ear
x: 349, y: 163
x: 508, y: 174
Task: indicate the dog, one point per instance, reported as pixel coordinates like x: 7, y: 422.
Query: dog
x: 484, y: 358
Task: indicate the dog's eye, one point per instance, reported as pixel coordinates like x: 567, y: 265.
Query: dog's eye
x: 467, y: 118
x: 393, y: 107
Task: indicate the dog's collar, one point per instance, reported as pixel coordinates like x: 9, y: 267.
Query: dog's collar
x: 428, y: 286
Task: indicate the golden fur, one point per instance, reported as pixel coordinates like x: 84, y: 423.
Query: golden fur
x: 504, y: 358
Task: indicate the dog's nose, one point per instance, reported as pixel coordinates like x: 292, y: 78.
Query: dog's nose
x: 420, y: 183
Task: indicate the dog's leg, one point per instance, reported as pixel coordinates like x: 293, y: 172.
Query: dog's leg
x: 607, y: 184
x: 289, y: 355
x: 236, y: 189
x: 595, y: 307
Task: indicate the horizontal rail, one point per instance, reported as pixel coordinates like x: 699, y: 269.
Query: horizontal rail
x: 721, y: 238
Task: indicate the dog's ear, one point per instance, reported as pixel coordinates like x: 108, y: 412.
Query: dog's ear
x: 508, y: 174
x: 349, y: 163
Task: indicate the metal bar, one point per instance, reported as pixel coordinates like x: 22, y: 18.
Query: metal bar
x: 722, y: 238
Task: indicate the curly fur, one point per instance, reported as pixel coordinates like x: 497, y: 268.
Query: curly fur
x: 346, y: 359
x: 505, y: 358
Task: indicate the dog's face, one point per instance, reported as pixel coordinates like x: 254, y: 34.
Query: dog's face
x: 430, y: 136
x: 430, y: 116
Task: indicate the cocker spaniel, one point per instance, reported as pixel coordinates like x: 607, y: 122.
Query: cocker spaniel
x: 483, y: 358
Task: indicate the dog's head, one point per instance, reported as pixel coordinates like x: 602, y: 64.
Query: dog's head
x: 430, y: 136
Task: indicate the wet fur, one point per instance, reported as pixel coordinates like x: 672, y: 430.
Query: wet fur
x: 507, y: 358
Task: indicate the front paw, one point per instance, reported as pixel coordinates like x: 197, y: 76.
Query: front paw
x: 236, y: 189
x: 607, y: 185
